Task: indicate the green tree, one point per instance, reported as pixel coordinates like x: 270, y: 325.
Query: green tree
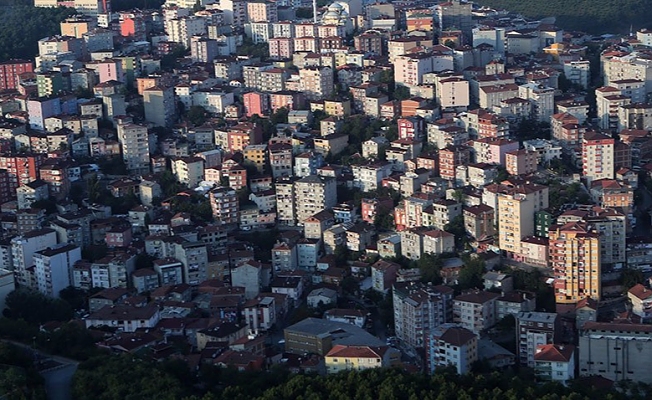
x: 350, y: 285
x: 304, y: 13
x: 36, y: 308
x: 430, y: 266
x: 456, y: 227
x: 471, y: 273
x: 280, y: 116
x: 75, y: 297
x: 197, y: 115
x: 631, y: 277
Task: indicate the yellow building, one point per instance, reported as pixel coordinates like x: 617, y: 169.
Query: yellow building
x: 516, y: 208
x: 337, y: 108
x: 575, y: 258
x: 347, y: 358
x: 256, y: 154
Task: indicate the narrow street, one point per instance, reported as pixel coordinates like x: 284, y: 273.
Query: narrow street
x: 57, y: 372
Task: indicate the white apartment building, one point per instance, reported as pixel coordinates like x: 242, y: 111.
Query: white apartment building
x: 260, y: 313
x: 542, y: 99
x: 578, y: 72
x: 554, y: 362
x: 134, y: 140
x: 451, y: 345
x: 316, y: 82
x: 475, y: 311
x: 53, y: 268
x: 23, y: 249
x: 313, y: 194
x: 188, y: 170
x: 181, y: 30
x: 410, y: 68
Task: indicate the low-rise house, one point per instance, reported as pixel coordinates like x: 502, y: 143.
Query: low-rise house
x: 292, y: 286
x: 383, y: 275
x: 497, y: 280
x: 515, y: 302
x: 240, y: 360
x: 349, y: 316
x: 260, y: 313
x: 226, y: 332
x: 125, y: 318
x: 553, y: 362
x: 586, y: 310
x: 322, y: 297
x: 358, y: 358
x: 641, y: 299
x: 107, y: 297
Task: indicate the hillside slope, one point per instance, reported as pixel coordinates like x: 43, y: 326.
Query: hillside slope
x: 594, y: 16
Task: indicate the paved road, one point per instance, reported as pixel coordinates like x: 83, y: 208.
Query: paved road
x: 58, y: 382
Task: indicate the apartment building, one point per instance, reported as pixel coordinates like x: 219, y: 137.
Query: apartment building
x: 53, y: 268
x: 316, y: 82
x: 479, y: 221
x: 516, y: 207
x: 369, y: 42
x: 409, y: 69
x: 542, y: 99
x: 597, y: 156
x: 450, y: 158
x: 262, y: 11
x: 313, y: 194
x: 182, y: 29
x: 641, y: 300
x: 575, y: 257
x: 23, y: 249
x: 134, y: 140
x: 451, y: 345
x: 609, y: 99
x: 492, y: 150
x: 535, y: 329
x: 159, y: 105
x: 521, y: 162
x: 418, y: 309
x: 476, y: 310
x: 616, y: 351
x: 225, y: 205
x: 189, y: 171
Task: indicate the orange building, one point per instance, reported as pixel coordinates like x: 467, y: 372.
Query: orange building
x: 574, y: 250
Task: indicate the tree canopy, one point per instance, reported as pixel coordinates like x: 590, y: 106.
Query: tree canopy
x: 34, y: 307
x: 24, y: 25
x: 594, y: 16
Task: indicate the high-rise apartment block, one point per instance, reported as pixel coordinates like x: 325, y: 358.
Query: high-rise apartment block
x: 225, y: 205
x: 597, y: 156
x: 575, y: 258
x: 10, y: 72
x: 418, y: 308
x: 313, y: 194
x: 134, y: 140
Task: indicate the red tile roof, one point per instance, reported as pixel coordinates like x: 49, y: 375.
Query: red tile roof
x: 554, y: 352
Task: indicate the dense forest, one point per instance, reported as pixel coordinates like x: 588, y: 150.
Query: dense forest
x: 593, y: 16
x: 104, y: 379
x: 24, y: 25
